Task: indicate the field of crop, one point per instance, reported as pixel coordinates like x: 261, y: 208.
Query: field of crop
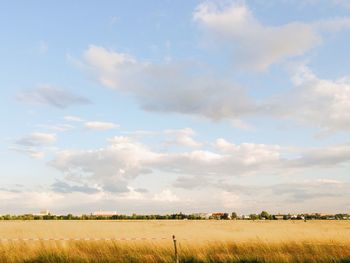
x: 198, y: 241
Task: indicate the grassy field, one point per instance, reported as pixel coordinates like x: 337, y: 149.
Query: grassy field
x: 198, y: 241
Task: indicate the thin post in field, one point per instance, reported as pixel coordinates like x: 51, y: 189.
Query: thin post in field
x: 175, y: 248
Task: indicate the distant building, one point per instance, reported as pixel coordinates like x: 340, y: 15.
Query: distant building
x: 279, y: 217
x: 105, y: 213
x: 217, y: 216
x: 43, y: 213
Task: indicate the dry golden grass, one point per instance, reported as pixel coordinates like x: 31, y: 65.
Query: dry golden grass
x: 198, y: 241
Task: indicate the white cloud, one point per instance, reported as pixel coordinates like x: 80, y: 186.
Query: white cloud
x: 230, y: 200
x: 255, y: 45
x: 250, y: 153
x: 28, y: 201
x: 109, y: 167
x: 240, y: 124
x: 178, y: 88
x: 73, y: 118
x: 292, y: 197
x: 166, y: 196
x: 112, y: 69
x: 113, y: 167
x: 175, y: 89
x: 182, y: 137
x: 329, y: 181
x: 133, y: 194
x: 100, y: 126
x: 37, y: 139
x: 323, y: 103
x: 35, y: 200
x: 328, y: 156
x: 33, y: 153
x: 52, y: 96
x: 108, y: 175
x: 57, y: 127
x: 35, y: 144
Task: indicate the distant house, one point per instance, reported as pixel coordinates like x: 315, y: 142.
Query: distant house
x: 217, y: 216
x: 43, y: 213
x: 105, y: 213
x: 278, y: 217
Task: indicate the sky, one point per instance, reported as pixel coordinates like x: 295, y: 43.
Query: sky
x: 175, y: 106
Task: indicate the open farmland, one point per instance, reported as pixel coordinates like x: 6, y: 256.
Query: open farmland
x: 198, y: 241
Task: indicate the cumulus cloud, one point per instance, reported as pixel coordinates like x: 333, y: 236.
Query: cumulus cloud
x: 100, y: 126
x: 321, y: 102
x: 191, y: 182
x: 175, y: 88
x: 109, y: 174
x: 323, y: 156
x: 182, y: 137
x: 166, y: 196
x: 110, y: 168
x: 250, y: 152
x: 113, y: 167
x: 52, y: 96
x: 230, y: 200
x: 255, y: 45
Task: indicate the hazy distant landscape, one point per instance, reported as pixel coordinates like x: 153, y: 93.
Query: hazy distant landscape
x: 197, y: 241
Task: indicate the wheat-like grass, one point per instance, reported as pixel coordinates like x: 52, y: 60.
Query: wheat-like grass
x: 137, y: 251
x: 198, y: 241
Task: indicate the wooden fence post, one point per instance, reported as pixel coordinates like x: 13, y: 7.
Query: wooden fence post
x: 175, y: 247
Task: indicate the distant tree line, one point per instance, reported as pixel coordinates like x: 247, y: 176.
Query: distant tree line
x: 179, y: 216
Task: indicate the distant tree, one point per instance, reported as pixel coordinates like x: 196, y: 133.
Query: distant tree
x: 224, y: 216
x: 253, y: 216
x: 233, y: 215
x: 339, y: 216
x: 264, y: 214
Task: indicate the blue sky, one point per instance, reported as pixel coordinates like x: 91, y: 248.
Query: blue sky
x: 151, y: 107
